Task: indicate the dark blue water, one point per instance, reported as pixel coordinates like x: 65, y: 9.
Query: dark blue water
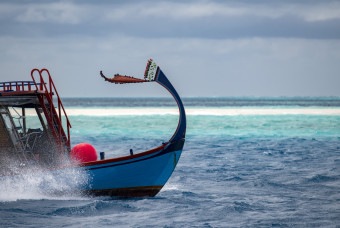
x: 205, y: 102
x: 235, y: 171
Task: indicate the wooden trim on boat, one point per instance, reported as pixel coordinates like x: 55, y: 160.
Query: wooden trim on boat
x: 145, y: 191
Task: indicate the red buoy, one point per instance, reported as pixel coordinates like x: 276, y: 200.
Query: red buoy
x: 83, y: 152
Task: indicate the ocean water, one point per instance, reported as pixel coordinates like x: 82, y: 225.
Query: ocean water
x: 247, y: 162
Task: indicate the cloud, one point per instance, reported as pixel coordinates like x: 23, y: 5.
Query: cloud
x: 58, y: 12
x: 174, y: 19
x: 321, y: 12
x: 206, y: 9
x: 208, y: 48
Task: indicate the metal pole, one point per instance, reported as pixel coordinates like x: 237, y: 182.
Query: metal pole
x: 23, y: 120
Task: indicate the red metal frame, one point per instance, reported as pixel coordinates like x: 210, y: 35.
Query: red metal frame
x: 53, y: 117
x: 17, y: 86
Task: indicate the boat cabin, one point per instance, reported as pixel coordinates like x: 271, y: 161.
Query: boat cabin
x: 31, y: 124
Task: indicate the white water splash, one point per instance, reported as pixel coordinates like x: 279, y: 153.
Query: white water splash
x: 40, y: 184
x: 170, y: 187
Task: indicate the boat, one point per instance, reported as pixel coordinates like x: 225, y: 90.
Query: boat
x: 47, y: 149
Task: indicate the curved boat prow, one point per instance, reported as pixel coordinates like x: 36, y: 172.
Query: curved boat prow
x: 154, y: 73
x: 181, y: 128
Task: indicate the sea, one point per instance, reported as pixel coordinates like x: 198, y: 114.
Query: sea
x: 246, y: 162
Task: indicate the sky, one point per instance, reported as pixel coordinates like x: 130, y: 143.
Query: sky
x: 216, y: 48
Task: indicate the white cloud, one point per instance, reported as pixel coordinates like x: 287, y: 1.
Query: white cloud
x: 59, y: 12
x: 175, y: 10
x: 194, y: 10
x: 321, y: 12
x: 67, y: 12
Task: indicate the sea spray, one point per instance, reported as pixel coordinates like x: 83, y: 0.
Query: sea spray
x: 40, y: 183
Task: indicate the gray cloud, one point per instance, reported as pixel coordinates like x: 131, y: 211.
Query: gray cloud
x: 201, y: 19
x: 208, y: 48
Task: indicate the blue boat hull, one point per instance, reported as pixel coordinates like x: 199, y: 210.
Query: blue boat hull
x: 146, y: 173
x: 139, y: 175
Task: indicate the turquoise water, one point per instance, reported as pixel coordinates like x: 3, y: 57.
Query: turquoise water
x: 270, y: 126
x: 142, y: 133
x: 248, y: 170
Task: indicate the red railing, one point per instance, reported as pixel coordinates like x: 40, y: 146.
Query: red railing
x: 16, y: 86
x: 53, y: 117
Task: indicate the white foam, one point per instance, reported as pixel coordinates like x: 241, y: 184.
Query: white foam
x: 170, y: 187
x: 196, y: 111
x: 41, y: 184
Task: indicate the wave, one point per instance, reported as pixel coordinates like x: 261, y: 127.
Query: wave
x: 196, y: 111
